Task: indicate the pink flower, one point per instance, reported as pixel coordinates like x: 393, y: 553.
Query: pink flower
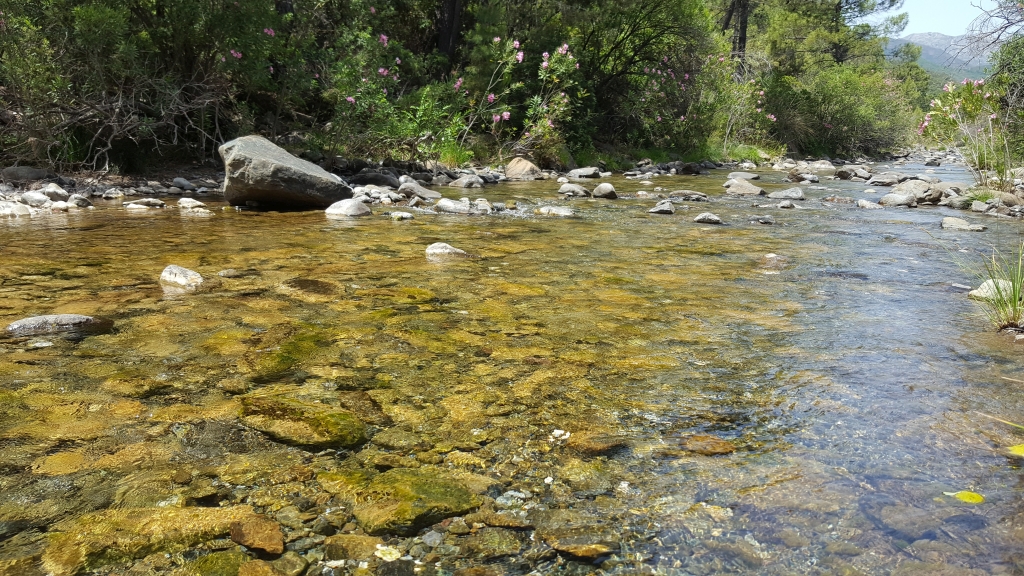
x: 506, y: 115
x: 577, y: 65
x: 383, y: 40
x: 659, y: 118
x: 458, y: 84
x: 271, y: 69
x: 316, y: 75
x: 382, y: 71
x: 515, y: 44
x: 759, y: 110
x: 497, y: 39
x: 222, y: 59
x: 519, y: 57
x: 350, y: 100
x: 550, y: 124
x: 385, y: 91
x: 236, y: 54
x: 373, y: 10
x: 545, y: 55
x: 490, y: 98
x: 686, y: 76
x: 544, y: 65
x: 761, y: 93
x: 496, y: 118
x: 682, y: 118
x: 268, y: 31
x: 992, y: 117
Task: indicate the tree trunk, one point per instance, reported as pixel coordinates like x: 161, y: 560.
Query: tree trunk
x: 449, y: 17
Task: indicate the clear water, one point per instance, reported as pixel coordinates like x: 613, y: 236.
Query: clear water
x: 849, y: 380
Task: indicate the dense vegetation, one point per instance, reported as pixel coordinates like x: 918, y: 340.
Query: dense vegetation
x: 100, y: 82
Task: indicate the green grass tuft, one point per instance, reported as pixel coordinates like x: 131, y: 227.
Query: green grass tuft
x: 1005, y: 309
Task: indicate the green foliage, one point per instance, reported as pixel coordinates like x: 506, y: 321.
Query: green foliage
x: 967, y: 117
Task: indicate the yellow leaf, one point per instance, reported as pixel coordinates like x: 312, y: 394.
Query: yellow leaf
x: 966, y: 496
x: 1017, y: 450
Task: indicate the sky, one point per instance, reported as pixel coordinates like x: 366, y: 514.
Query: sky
x: 950, y: 17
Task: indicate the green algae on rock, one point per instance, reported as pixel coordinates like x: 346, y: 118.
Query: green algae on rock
x: 119, y: 535
x: 301, y: 423
x: 223, y: 563
x: 403, y: 500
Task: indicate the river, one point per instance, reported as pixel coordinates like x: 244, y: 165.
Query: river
x: 568, y: 371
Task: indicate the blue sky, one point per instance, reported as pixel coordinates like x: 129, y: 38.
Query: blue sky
x: 951, y: 17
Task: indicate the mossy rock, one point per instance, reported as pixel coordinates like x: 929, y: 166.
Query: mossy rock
x: 280, y: 349
x: 404, y: 500
x: 117, y: 536
x: 346, y: 484
x: 301, y: 423
x: 223, y: 563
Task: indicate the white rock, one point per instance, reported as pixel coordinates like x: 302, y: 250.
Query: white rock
x: 868, y: 205
x: 181, y: 277
x: 440, y: 250
x: 950, y: 223
x: 707, y: 218
x: 190, y: 203
x: 991, y: 289
x: 561, y: 211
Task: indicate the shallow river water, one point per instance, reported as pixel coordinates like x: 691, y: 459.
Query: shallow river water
x: 846, y: 378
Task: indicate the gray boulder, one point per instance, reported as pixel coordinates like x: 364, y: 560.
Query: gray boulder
x: 887, y: 179
x: 959, y: 224
x: 688, y: 196
x: 922, y: 191
x: 55, y: 192
x: 183, y: 184
x: 992, y: 289
x: 898, y: 200
x: 25, y: 174
x: 449, y: 206
x: 413, y: 188
x: 791, y: 194
x: 868, y: 205
x: 79, y: 200
x: 980, y: 207
x: 663, y: 207
x: 259, y: 173
x: 589, y: 172
x: 51, y: 323
x: 740, y: 187
x: 371, y: 178
x: 35, y: 199
x: 707, y: 218
x: 604, y: 190
x: 348, y: 208
x: 468, y: 181
x: 574, y: 190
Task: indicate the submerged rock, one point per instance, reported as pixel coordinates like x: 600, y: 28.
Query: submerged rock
x: 574, y: 190
x: 706, y: 445
x: 791, y: 194
x: 740, y: 187
x: 258, y: 532
x: 868, y: 205
x: 405, y: 500
x: 744, y: 176
x: 52, y: 323
x: 259, y: 173
x: 440, y: 251
x: 707, y: 218
x: 301, y: 423
x: 116, y: 536
x: 561, y: 211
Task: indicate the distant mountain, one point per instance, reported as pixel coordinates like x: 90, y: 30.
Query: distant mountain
x: 946, y: 55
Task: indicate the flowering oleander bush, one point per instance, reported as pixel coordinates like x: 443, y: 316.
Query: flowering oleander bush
x: 967, y: 116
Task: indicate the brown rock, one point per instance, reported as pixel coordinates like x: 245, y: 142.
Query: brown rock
x: 350, y: 547
x: 707, y: 445
x: 258, y: 532
x: 522, y: 169
x: 257, y: 568
x: 589, y: 443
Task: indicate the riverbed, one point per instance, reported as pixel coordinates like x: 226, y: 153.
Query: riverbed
x: 563, y: 373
